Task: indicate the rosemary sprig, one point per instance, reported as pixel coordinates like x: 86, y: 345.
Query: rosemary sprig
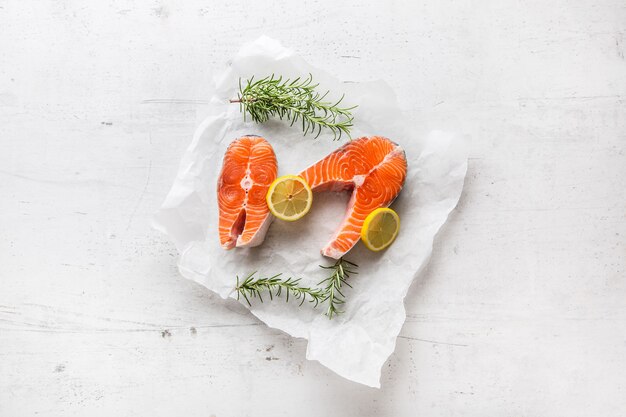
x: 335, y: 298
x: 293, y: 100
x: 274, y: 285
x: 252, y: 287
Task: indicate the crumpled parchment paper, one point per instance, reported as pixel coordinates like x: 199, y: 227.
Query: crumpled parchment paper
x: 355, y: 344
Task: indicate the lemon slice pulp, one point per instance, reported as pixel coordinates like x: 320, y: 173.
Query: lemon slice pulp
x: 289, y: 197
x: 380, y: 229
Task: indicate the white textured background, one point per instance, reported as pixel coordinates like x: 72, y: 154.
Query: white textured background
x: 522, y: 311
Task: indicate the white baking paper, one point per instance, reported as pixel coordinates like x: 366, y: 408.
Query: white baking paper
x: 355, y: 344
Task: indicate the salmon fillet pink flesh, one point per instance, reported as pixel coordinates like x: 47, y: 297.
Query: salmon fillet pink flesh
x: 373, y: 169
x: 248, y: 169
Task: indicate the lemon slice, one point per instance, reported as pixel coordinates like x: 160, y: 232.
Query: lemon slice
x: 380, y: 228
x: 289, y: 197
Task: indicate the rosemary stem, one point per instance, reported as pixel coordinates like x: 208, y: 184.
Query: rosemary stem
x: 238, y: 100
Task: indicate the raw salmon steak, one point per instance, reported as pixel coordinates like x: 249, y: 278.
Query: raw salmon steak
x: 373, y: 169
x: 248, y: 169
